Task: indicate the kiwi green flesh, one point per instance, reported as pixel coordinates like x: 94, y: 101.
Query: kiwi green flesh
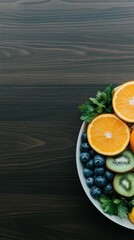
x: 121, y: 163
x: 124, y: 184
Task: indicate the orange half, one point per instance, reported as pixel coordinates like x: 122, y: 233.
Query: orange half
x: 108, y: 135
x: 123, y: 101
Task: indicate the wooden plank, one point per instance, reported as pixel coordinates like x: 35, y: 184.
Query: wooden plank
x: 66, y: 41
x: 44, y: 103
x: 40, y: 193
x: 54, y: 55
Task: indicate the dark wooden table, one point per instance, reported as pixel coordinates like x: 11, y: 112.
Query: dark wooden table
x: 53, y: 56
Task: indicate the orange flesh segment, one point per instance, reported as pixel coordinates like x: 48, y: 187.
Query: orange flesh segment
x: 132, y: 140
x: 131, y: 215
x: 123, y: 101
x: 108, y: 135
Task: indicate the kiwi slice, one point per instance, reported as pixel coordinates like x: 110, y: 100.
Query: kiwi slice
x: 124, y: 184
x: 121, y: 163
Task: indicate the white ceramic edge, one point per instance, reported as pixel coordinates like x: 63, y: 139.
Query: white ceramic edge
x: 123, y: 222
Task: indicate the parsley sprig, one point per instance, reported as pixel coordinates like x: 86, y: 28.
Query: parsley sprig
x: 116, y: 205
x: 102, y: 103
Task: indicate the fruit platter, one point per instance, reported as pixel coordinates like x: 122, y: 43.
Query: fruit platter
x: 105, y: 152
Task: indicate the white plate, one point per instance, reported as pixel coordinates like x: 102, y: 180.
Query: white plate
x: 123, y: 222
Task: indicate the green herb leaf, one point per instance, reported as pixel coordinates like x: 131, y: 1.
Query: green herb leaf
x: 122, y: 210
x: 96, y: 102
x: 108, y: 205
x: 131, y: 202
x: 114, y: 206
x: 101, y: 97
x: 102, y: 103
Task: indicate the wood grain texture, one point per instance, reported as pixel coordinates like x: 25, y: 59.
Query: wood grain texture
x: 40, y: 193
x: 64, y: 41
x: 54, y: 55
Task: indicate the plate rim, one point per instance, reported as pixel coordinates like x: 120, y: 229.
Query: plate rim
x: 122, y: 222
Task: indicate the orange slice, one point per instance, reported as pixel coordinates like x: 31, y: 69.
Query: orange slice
x: 131, y: 215
x: 132, y: 140
x: 123, y: 101
x: 108, y: 135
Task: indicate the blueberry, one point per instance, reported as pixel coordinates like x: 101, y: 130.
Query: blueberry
x: 84, y: 156
x: 100, y: 181
x: 95, y: 192
x: 84, y: 147
x: 109, y: 175
x: 92, y: 152
x: 99, y: 160
x: 84, y: 137
x: 108, y: 188
x: 99, y: 171
x: 90, y: 164
x: 95, y: 176
x: 87, y: 172
x: 90, y: 181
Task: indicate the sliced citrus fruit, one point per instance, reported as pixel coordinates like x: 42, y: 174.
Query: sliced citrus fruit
x: 131, y: 215
x: 132, y: 140
x: 108, y: 135
x: 123, y: 101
